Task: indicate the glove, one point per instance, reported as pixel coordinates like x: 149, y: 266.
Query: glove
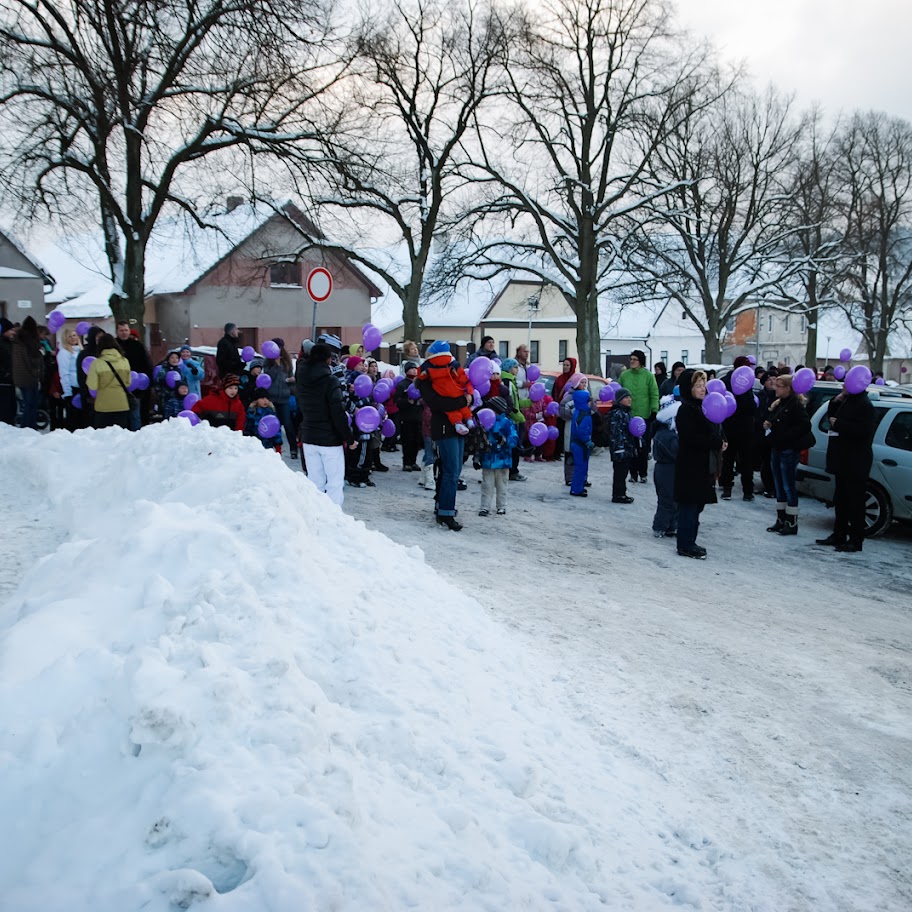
x: 476, y: 463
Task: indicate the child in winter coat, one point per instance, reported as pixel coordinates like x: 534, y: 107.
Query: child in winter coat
x: 261, y: 406
x: 580, y: 441
x: 496, y: 458
x: 665, y: 453
x: 173, y: 399
x: 450, y: 380
x: 622, y: 446
x: 358, y: 460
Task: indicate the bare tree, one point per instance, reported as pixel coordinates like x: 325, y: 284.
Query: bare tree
x: 718, y: 238
x: 110, y: 104
x: 422, y: 74
x: 874, y: 156
x: 590, y: 93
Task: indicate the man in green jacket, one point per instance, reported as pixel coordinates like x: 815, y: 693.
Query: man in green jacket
x: 645, y: 394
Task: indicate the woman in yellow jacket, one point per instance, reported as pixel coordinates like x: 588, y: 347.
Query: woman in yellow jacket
x: 110, y: 375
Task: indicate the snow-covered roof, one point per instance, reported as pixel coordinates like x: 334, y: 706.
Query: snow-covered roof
x: 39, y: 266
x: 8, y: 273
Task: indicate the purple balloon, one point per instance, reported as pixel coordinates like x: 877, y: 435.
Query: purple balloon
x: 715, y: 386
x: 271, y: 350
x: 904, y: 369
x: 190, y: 400
x: 55, y: 319
x: 142, y: 381
x: 483, y: 388
x: 381, y: 411
x: 839, y: 372
x: 87, y: 363
x: 363, y: 386
x: 615, y: 385
x: 803, y: 380
x: 605, y: 394
x: 715, y: 407
x: 751, y: 360
x: 263, y: 381
x: 367, y: 419
x: 172, y: 378
x: 413, y: 392
x: 93, y: 393
x: 371, y: 337
x: 486, y: 418
x: 858, y: 379
x: 480, y: 370
x: 192, y: 417
x: 76, y: 401
x: 845, y: 354
x: 134, y: 377
x: 381, y: 393
x: 742, y: 379
x: 731, y: 404
x: 533, y: 372
x: 269, y: 426
x: 538, y: 433
x: 880, y: 382
x: 247, y: 354
x: 553, y: 433
x: 553, y: 408
x: 637, y: 426
x: 156, y: 373
x: 82, y: 327
x: 388, y: 428
x: 537, y: 392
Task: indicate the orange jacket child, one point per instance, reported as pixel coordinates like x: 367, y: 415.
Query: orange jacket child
x: 449, y: 379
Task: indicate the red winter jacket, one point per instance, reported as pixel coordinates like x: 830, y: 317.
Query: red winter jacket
x: 220, y: 410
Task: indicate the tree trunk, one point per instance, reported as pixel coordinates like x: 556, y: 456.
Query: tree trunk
x: 588, y: 339
x: 810, y: 352
x: 410, y: 316
x: 711, y: 336
x: 128, y: 302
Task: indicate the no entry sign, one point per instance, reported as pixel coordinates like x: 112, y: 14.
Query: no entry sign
x: 319, y: 284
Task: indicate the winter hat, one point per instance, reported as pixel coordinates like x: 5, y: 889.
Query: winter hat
x: 741, y: 361
x: 257, y: 362
x: 499, y: 404
x: 485, y: 340
x: 581, y: 399
x: 230, y: 326
x: 639, y: 355
x: 621, y: 394
x: 5, y: 325
x: 279, y: 341
x: 230, y: 380
x: 409, y: 365
x: 668, y: 410
x: 440, y: 347
x: 508, y: 364
x: 307, y: 347
x: 186, y: 348
x: 353, y: 362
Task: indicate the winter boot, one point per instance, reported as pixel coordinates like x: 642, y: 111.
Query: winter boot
x: 832, y: 540
x: 427, y: 478
x: 780, y: 521
x: 790, y: 526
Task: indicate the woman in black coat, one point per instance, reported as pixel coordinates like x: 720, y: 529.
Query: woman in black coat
x: 849, y: 457
x: 788, y: 430
x: 700, y: 444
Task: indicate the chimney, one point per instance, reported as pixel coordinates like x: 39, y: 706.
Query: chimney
x: 234, y: 202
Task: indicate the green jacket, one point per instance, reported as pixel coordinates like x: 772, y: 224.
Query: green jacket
x: 510, y: 393
x: 643, y: 390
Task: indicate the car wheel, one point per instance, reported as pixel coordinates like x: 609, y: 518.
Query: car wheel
x: 878, y: 510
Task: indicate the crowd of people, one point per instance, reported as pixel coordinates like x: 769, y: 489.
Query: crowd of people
x: 433, y: 416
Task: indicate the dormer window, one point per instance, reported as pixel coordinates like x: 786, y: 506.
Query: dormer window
x: 287, y: 275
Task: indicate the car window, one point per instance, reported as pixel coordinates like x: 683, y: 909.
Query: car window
x: 899, y: 434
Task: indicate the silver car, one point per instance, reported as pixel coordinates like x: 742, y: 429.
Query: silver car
x: 889, y: 488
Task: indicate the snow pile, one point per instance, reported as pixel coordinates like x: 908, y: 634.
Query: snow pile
x: 216, y: 688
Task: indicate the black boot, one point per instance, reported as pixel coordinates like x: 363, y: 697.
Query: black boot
x: 849, y: 547
x: 790, y: 526
x: 450, y: 522
x: 780, y: 521
x: 832, y: 539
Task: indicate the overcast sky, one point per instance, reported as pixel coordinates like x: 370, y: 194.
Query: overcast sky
x: 845, y: 54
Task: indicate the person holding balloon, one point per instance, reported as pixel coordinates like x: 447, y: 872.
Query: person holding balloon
x: 269, y: 432
x: 739, y: 431
x: 279, y: 369
x: 411, y: 408
x: 644, y: 404
x: 496, y: 457
x: 173, y: 399
x: 108, y: 378
x: 67, y: 353
x: 449, y: 380
x: 623, y: 445
x: 140, y: 362
x: 789, y: 432
x: 700, y: 445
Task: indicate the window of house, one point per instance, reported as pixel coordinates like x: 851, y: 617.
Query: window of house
x: 770, y: 325
x: 683, y: 356
x: 533, y: 351
x: 562, y: 350
x: 663, y: 356
x: 503, y: 350
x: 804, y: 325
x: 703, y: 356
x: 287, y: 274
x: 788, y: 322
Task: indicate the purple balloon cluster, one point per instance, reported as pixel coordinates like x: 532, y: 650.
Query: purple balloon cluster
x: 371, y: 337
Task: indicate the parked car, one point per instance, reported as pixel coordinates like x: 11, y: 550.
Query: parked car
x: 595, y: 384
x: 889, y: 487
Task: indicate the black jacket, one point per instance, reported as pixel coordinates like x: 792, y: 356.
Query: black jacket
x: 441, y: 427
x: 698, y: 438
x: 410, y: 410
x: 227, y: 357
x: 323, y: 418
x: 851, y: 453
x: 137, y: 356
x: 6, y: 361
x: 741, y: 423
x: 790, y: 426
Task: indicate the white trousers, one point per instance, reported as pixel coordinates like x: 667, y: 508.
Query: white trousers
x: 326, y: 469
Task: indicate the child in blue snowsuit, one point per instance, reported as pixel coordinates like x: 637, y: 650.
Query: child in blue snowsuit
x: 580, y: 442
x: 259, y: 408
x: 665, y: 454
x: 497, y: 458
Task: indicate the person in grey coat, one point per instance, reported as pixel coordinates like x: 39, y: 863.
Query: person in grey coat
x: 665, y: 454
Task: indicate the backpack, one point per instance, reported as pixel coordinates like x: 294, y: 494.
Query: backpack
x: 601, y: 430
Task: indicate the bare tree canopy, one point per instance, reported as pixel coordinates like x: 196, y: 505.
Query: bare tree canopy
x: 718, y: 238
x: 874, y: 159
x: 111, y: 104
x: 591, y: 91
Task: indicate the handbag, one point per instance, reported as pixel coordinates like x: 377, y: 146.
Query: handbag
x: 131, y: 399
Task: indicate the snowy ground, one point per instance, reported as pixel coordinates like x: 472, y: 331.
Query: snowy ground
x: 218, y: 690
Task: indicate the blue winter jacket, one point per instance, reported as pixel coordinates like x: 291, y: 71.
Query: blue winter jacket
x: 502, y: 438
x: 193, y: 373
x: 581, y: 419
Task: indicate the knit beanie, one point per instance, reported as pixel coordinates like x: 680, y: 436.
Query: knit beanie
x: 508, y: 364
x: 440, y: 347
x: 353, y: 362
x: 621, y: 394
x: 230, y: 380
